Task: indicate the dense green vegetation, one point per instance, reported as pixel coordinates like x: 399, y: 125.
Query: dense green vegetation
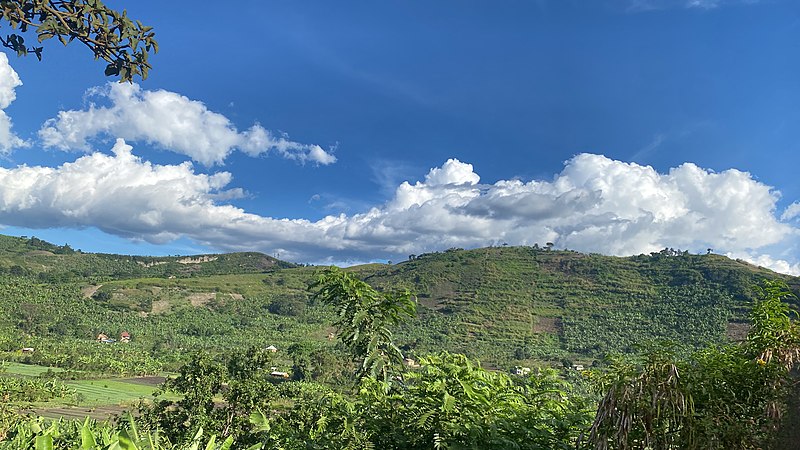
x: 341, y: 343
x: 715, y: 398
x: 506, y: 306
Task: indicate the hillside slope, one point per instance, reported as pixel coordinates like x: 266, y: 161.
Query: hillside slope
x: 54, y: 263
x: 503, y: 305
x: 525, y: 303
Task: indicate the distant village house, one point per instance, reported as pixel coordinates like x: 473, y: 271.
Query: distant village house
x: 104, y: 339
x: 271, y: 348
x: 125, y: 337
x: 522, y: 371
x: 410, y: 363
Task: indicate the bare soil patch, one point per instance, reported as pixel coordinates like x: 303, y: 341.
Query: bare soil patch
x: 197, y: 260
x: 201, y: 298
x: 79, y: 412
x: 550, y: 325
x: 147, y: 381
x: 737, y: 331
x: 159, y: 306
x: 89, y: 291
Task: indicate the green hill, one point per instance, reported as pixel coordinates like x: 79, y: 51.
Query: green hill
x: 53, y: 263
x: 503, y: 305
x: 523, y: 303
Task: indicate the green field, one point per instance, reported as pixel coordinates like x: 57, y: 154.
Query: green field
x: 96, y: 398
x: 28, y: 370
x: 111, y: 392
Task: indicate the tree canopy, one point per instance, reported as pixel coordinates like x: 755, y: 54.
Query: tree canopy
x: 111, y: 35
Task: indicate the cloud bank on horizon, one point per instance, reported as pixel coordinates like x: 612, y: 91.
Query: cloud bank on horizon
x: 654, y: 5
x: 594, y: 205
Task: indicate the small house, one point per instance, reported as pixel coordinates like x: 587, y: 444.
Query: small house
x: 104, y: 339
x: 27, y: 350
x: 410, y: 363
x: 578, y: 367
x: 125, y: 337
x: 522, y: 371
x: 279, y: 374
x: 271, y: 348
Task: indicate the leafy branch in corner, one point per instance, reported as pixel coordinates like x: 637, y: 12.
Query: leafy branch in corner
x: 111, y: 35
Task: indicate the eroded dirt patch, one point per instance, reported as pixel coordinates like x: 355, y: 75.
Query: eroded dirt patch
x: 550, y: 325
x: 201, y: 298
x: 159, y: 306
x: 90, y: 290
x: 147, y: 381
x: 737, y: 331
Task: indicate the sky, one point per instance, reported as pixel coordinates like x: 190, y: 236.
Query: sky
x: 347, y: 132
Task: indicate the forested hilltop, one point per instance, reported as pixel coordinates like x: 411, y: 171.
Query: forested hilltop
x: 240, y: 334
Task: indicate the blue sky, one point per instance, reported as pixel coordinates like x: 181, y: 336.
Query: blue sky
x: 615, y: 126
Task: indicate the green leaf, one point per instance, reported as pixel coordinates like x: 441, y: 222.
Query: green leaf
x: 125, y: 441
x: 448, y: 402
x: 87, y: 436
x: 111, y: 70
x: 226, y: 445
x: 44, y: 442
x: 260, y: 420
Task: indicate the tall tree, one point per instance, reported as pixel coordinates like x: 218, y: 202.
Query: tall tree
x: 364, y: 319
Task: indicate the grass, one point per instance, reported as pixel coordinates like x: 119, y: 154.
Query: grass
x: 28, y: 370
x: 110, y: 392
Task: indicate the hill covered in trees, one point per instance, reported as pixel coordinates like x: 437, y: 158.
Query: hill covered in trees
x: 503, y: 305
x: 48, y: 262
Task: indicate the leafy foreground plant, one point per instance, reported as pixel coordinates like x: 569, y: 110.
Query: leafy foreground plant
x: 719, y: 398
x: 450, y: 402
x: 35, y: 433
x: 364, y: 320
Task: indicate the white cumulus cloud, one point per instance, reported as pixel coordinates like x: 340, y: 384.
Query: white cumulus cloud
x: 171, y: 121
x: 9, y: 82
x: 791, y: 212
x: 777, y: 265
x: 594, y: 204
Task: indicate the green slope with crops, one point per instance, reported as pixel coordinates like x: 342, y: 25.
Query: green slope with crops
x: 503, y: 305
